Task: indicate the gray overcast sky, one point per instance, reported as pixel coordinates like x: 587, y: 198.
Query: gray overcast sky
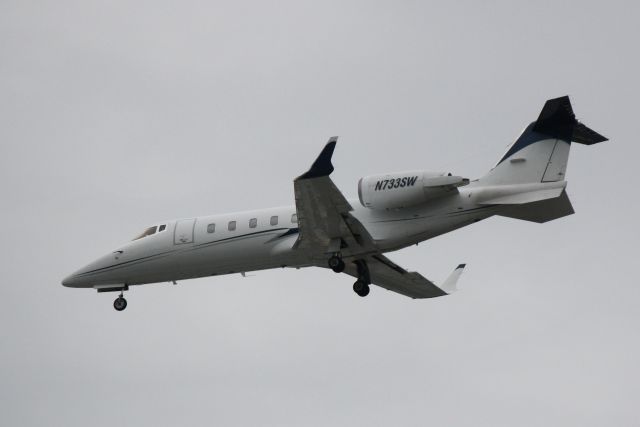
x: 117, y: 114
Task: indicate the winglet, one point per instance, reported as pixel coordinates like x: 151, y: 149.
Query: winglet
x: 449, y: 285
x: 322, y: 166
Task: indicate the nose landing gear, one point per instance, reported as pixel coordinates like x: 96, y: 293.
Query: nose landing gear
x: 120, y: 303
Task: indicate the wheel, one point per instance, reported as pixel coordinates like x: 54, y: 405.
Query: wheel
x: 120, y: 304
x: 365, y: 291
x: 361, y: 288
x: 336, y: 264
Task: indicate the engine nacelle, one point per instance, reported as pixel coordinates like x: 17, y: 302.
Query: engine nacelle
x: 406, y: 189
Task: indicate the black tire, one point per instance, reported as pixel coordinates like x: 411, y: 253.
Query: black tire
x: 120, y: 304
x: 340, y: 267
x: 365, y: 291
x: 334, y: 262
x: 361, y: 288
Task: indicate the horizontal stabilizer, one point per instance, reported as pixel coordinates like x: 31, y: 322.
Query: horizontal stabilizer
x: 558, y: 120
x: 585, y: 135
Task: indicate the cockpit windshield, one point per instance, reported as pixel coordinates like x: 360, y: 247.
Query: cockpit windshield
x: 148, y: 232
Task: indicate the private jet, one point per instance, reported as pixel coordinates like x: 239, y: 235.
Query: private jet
x: 324, y: 229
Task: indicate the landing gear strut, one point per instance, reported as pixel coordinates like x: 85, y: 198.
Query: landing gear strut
x: 120, y: 303
x: 336, y: 264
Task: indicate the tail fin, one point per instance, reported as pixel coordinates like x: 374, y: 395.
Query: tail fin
x: 541, y: 152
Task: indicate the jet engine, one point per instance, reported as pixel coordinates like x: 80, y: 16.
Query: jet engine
x: 405, y: 189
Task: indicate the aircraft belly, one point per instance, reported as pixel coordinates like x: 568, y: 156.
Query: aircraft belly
x: 430, y: 226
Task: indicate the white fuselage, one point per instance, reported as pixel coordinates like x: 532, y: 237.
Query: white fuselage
x: 190, y: 248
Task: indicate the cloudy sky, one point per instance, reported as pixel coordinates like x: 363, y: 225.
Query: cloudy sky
x: 118, y: 114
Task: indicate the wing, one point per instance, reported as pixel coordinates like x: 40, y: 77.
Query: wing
x: 324, y: 219
x: 326, y: 226
x: 386, y: 274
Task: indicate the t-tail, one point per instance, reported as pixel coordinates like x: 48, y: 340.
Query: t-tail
x: 529, y: 180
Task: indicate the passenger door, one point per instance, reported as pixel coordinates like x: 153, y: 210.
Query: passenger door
x: 184, y: 231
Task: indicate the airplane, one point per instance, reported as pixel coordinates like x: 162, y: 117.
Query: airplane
x: 324, y: 229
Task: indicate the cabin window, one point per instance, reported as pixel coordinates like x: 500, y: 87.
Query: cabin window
x: 211, y: 228
x: 274, y: 220
x: 253, y: 222
x: 162, y: 227
x: 148, y: 232
x: 232, y: 225
x: 294, y: 218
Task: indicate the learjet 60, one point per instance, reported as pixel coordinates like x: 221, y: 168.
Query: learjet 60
x: 324, y: 229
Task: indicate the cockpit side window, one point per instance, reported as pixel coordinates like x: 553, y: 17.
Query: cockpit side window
x: 162, y: 227
x: 148, y: 232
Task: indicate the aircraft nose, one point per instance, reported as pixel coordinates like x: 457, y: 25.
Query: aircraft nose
x: 71, y: 281
x: 76, y: 280
x: 88, y: 275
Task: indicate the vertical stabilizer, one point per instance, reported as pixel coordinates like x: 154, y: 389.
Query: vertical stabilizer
x: 541, y: 152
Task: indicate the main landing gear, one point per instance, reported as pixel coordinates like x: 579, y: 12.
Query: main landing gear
x: 336, y: 263
x: 120, y: 303
x: 361, y: 286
